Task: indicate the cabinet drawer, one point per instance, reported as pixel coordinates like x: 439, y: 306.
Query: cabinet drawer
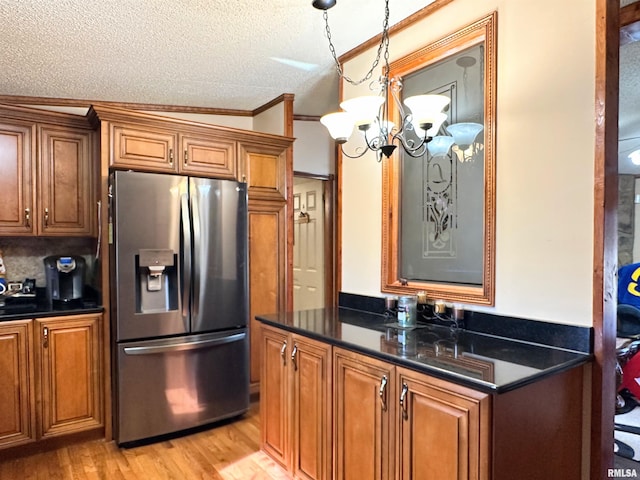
x: 151, y: 150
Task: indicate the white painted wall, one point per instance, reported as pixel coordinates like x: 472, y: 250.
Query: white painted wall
x: 245, y: 123
x: 545, y: 153
x: 314, y: 149
x: 270, y: 121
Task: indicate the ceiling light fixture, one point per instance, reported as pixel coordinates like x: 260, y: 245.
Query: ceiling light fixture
x: 634, y: 157
x: 370, y: 113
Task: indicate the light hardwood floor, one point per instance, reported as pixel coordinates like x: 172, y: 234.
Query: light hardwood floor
x: 229, y: 451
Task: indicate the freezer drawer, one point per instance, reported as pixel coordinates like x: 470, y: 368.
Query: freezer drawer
x: 169, y: 385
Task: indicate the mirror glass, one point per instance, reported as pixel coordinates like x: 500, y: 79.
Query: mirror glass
x: 438, y: 211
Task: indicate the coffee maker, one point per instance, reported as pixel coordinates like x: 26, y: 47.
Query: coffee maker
x: 65, y: 278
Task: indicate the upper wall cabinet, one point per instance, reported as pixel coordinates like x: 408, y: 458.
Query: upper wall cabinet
x: 46, y: 174
x: 141, y: 147
x: 17, y: 145
x: 153, y: 143
x: 263, y: 167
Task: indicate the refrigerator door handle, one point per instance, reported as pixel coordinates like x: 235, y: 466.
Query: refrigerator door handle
x: 195, y: 212
x: 182, y: 346
x: 186, y: 254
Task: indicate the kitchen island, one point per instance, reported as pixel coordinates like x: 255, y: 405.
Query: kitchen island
x: 347, y: 394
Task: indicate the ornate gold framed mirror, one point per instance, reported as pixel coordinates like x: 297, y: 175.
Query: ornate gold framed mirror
x: 438, y: 216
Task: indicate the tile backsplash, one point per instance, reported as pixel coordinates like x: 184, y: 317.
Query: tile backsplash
x: 23, y: 255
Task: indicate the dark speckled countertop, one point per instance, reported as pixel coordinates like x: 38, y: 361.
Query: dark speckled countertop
x: 38, y: 307
x: 485, y: 362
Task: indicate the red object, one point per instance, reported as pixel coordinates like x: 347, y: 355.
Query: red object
x: 631, y: 376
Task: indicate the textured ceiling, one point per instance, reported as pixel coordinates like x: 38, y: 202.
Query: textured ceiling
x: 236, y: 54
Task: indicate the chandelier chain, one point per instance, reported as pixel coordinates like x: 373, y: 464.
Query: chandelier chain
x: 384, y: 44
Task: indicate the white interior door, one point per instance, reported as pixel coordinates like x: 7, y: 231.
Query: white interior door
x: 308, y: 246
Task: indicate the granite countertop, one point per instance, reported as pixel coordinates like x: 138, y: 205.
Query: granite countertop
x: 38, y: 307
x: 484, y: 362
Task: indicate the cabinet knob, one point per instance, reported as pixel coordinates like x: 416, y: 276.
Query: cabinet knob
x: 171, y: 156
x: 27, y: 217
x: 46, y: 217
x: 382, y: 393
x: 293, y: 357
x: 186, y: 157
x: 282, y: 352
x: 45, y: 337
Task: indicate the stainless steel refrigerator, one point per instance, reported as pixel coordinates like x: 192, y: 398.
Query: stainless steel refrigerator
x: 180, y: 302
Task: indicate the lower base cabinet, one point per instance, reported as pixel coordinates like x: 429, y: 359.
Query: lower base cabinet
x: 295, y: 403
x: 17, y: 387
x: 443, y: 429
x: 390, y: 422
x: 50, y: 371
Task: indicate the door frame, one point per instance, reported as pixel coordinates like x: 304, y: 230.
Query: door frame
x: 329, y: 199
x: 605, y: 257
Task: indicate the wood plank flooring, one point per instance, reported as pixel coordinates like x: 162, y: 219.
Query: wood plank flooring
x: 230, y: 451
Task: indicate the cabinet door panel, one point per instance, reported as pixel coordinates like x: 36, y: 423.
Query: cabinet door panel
x: 311, y: 409
x: 65, y: 196
x: 205, y: 156
x: 274, y: 397
x: 363, y: 427
x: 17, y: 415
x: 17, y: 173
x: 440, y: 430
x: 69, y: 361
x: 265, y: 171
x: 150, y: 150
x: 267, y: 243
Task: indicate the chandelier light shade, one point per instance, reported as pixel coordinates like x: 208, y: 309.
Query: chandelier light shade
x: 427, y: 109
x: 436, y: 122
x: 440, y: 145
x: 464, y: 134
x: 364, y: 110
x: 339, y: 124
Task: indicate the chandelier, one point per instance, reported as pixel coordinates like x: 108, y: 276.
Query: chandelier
x: 418, y: 127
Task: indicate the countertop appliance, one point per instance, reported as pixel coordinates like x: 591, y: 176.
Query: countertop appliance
x: 64, y: 275
x: 180, y: 302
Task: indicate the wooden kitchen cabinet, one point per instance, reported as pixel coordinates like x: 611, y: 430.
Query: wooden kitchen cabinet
x: 274, y: 398
x: 46, y: 174
x: 267, y: 241
x: 263, y: 166
x: 152, y: 149
x: 442, y: 431
x: 363, y: 416
x: 296, y: 403
x: 17, y: 394
x: 17, y: 174
x: 433, y: 429
x: 68, y: 361
x: 65, y: 198
x: 50, y: 377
